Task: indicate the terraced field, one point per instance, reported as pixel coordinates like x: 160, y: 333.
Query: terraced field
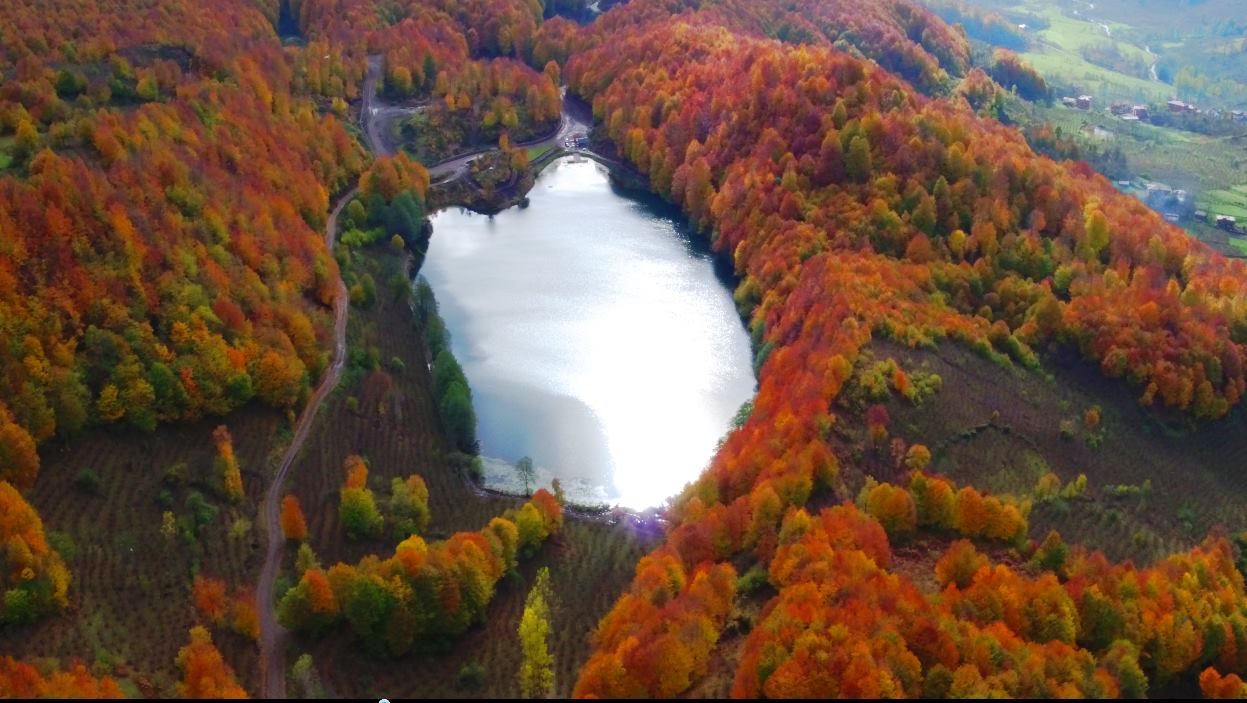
x: 130, y: 594
x: 1002, y: 428
x: 1227, y: 201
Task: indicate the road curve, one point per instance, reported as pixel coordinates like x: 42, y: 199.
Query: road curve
x: 377, y: 116
x: 272, y: 635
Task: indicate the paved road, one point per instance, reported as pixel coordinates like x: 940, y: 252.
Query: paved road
x: 378, y: 118
x: 272, y: 635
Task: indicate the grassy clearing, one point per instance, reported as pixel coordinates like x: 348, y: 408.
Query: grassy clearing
x: 1195, y: 471
x: 536, y: 152
x: 393, y: 422
x: 1074, y: 35
x: 1059, y: 55
x: 130, y: 605
x: 1068, y: 68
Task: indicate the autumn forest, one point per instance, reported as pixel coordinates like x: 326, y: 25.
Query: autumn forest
x: 239, y: 456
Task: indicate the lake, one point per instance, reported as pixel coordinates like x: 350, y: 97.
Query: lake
x: 597, y: 335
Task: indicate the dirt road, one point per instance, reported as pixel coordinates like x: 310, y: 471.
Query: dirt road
x: 272, y: 635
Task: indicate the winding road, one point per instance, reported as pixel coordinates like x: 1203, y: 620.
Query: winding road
x: 375, y: 118
x: 378, y: 117
x: 272, y: 635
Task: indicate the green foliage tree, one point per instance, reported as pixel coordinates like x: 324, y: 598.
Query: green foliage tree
x: 305, y: 559
x: 454, y: 400
x: 405, y: 215
x: 459, y: 417
x: 367, y: 606
x: 70, y: 83
x: 147, y: 89
x: 858, y: 161
x: 356, y: 214
x: 359, y: 514
x: 304, y: 675
x: 409, y: 506
x: 524, y: 467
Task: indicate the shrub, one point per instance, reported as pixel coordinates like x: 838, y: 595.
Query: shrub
x: 88, y: 482
x: 175, y: 476
x: 752, y: 581
x: 472, y: 675
x: 202, y: 512
x: 360, y: 517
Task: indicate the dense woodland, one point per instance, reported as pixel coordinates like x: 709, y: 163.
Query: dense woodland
x: 854, y: 206
x: 162, y: 260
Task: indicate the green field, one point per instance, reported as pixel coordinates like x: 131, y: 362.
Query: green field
x: 1136, y: 50
x: 1073, y: 34
x: 1059, y: 58
x: 1230, y: 201
x: 1068, y: 68
x: 536, y: 152
x: 1202, y: 164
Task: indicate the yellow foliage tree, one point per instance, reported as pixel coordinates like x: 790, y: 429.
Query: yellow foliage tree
x: 536, y: 675
x: 227, y: 464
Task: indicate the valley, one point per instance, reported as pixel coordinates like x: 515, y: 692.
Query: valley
x: 661, y: 348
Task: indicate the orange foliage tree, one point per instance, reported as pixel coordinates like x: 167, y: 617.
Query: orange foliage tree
x: 293, y: 524
x: 227, y: 464
x: 33, y: 577
x: 21, y: 680
x: 204, y: 672
x: 852, y: 206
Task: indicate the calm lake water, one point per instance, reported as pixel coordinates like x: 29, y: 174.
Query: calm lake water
x: 597, y: 337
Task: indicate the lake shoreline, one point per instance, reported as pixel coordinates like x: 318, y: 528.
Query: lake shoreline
x: 626, y: 234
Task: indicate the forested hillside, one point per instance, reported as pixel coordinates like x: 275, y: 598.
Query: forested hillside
x: 159, y: 222
x: 169, y: 169
x: 855, y: 207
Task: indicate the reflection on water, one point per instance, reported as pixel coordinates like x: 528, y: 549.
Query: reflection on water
x: 597, y: 339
